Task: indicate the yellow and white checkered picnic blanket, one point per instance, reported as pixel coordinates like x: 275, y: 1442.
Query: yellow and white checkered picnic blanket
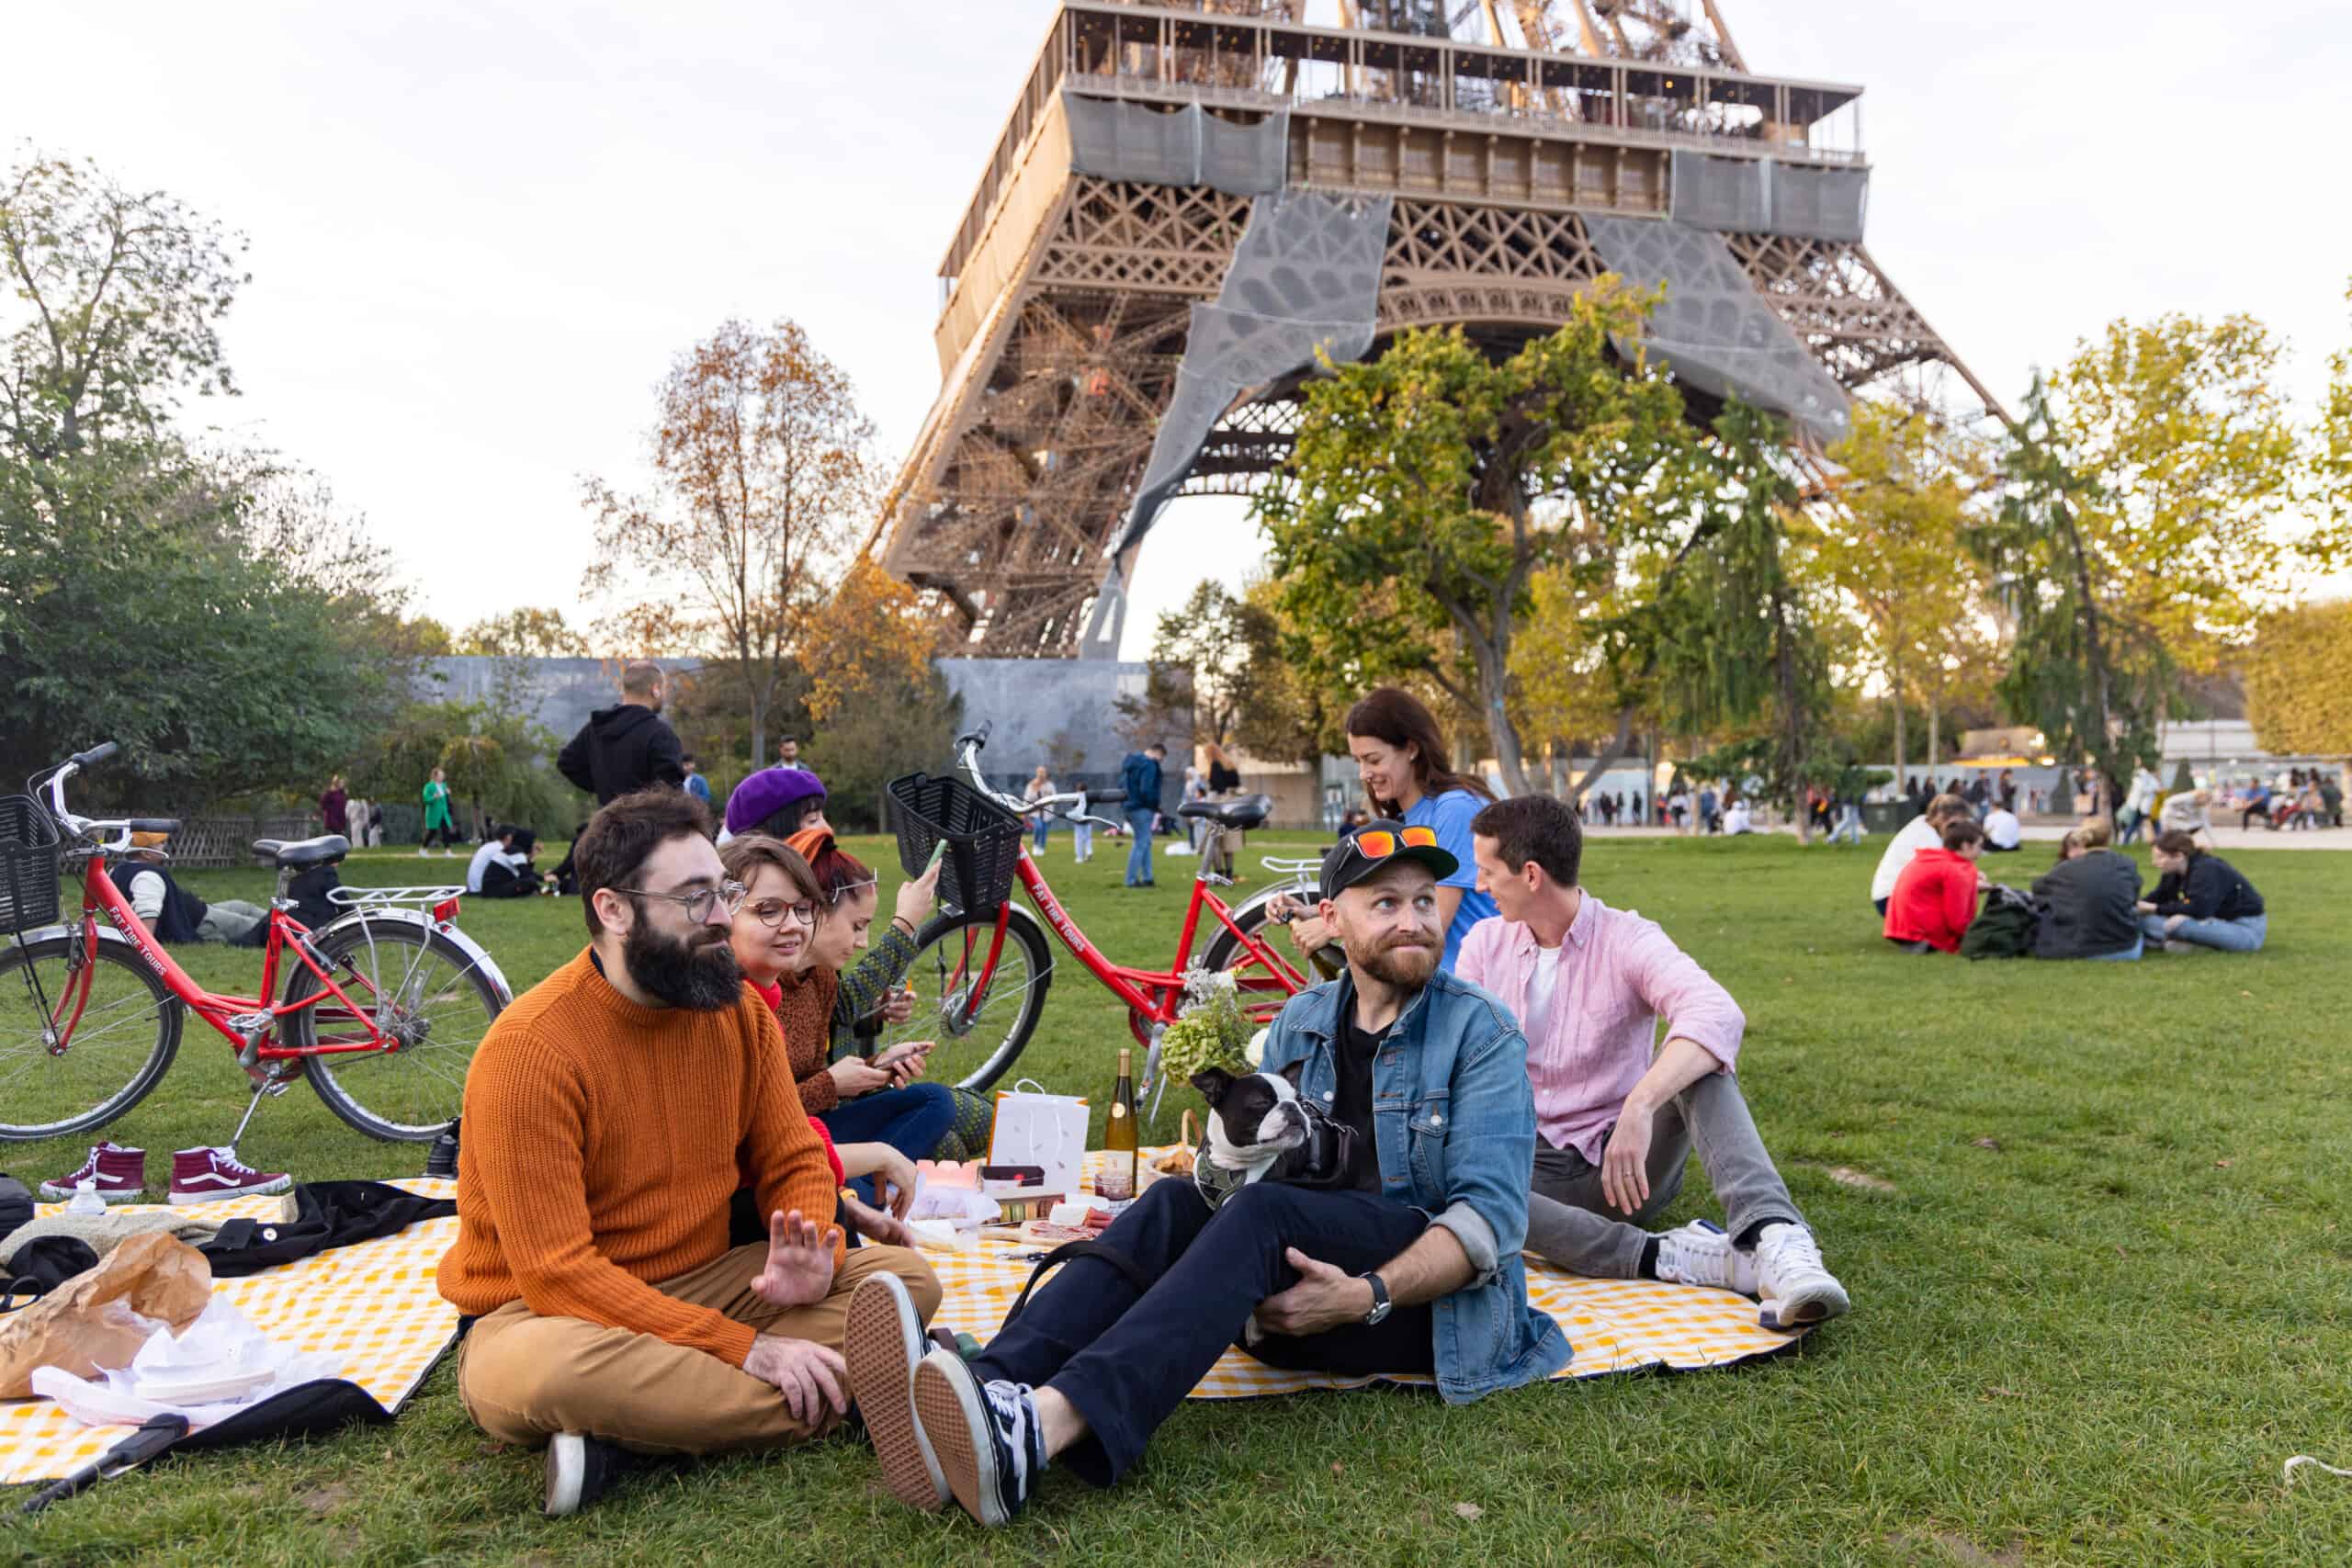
x: 371, y: 1305
x: 1615, y: 1325
x: 374, y: 1306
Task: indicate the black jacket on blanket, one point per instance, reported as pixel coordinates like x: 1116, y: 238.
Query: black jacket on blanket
x: 328, y: 1214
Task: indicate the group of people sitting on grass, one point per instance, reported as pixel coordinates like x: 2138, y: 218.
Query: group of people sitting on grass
x: 2090, y: 905
x: 657, y: 1254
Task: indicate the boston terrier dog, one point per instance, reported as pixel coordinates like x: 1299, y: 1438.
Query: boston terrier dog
x: 1254, y: 1122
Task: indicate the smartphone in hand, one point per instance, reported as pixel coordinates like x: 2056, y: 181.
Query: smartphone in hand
x: 901, y: 1052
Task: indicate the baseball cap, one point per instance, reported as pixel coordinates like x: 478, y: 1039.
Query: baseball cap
x: 767, y: 792
x: 1364, y: 851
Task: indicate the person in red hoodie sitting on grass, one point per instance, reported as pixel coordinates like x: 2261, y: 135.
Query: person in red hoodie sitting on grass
x: 1935, y: 898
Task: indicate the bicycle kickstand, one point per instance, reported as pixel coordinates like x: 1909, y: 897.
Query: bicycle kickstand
x: 270, y: 1084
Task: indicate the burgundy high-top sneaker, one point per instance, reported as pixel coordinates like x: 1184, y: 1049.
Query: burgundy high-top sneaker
x: 198, y: 1176
x: 120, y: 1175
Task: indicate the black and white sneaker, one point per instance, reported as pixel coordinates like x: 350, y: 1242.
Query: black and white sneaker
x: 581, y: 1469
x: 987, y: 1437
x: 882, y: 1342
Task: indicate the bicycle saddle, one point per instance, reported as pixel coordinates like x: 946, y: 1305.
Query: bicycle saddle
x: 288, y: 852
x: 1243, y: 811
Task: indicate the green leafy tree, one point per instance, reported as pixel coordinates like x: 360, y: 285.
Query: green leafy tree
x: 122, y: 293
x: 1281, y: 717
x: 524, y: 632
x: 2193, y: 527
x: 2092, y: 675
x: 211, y: 611
x: 1892, y: 546
x: 895, y: 726
x: 1429, y: 488
x: 1738, y: 642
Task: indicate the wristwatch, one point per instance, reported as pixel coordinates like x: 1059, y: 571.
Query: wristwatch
x: 1380, y: 1303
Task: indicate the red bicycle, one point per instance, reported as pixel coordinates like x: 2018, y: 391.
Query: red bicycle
x: 988, y: 967
x: 382, y: 1010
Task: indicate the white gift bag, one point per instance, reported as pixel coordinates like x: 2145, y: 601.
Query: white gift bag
x: 1035, y: 1128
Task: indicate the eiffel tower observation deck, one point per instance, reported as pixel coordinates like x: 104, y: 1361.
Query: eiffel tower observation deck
x: 1192, y: 198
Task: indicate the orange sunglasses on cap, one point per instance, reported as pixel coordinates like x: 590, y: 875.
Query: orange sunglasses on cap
x: 1380, y: 843
x: 1354, y: 858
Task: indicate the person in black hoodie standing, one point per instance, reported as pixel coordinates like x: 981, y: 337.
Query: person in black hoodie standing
x: 2202, y: 901
x: 622, y: 750
x: 2088, y: 898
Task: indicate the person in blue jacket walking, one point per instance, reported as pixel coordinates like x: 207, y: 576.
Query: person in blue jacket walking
x: 1140, y: 774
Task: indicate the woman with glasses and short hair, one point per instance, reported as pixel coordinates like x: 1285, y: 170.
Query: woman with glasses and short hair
x: 791, y: 940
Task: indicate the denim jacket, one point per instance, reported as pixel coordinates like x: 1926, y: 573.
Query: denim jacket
x: 1453, y: 1124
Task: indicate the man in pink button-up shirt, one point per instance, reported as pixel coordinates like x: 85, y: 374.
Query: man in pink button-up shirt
x: 1615, y: 1123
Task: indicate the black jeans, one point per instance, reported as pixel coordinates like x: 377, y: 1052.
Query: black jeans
x: 1126, y: 1359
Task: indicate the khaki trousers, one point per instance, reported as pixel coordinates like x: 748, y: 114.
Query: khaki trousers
x: 525, y: 1378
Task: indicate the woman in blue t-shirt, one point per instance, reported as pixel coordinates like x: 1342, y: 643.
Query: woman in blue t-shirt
x: 1401, y: 757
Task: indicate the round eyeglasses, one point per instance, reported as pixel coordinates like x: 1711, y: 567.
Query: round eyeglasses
x: 700, y: 902
x: 773, y: 912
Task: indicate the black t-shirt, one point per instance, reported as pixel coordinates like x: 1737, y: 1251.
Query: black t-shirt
x: 1352, y: 1102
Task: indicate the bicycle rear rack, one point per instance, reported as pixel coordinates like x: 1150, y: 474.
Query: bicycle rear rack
x: 370, y: 897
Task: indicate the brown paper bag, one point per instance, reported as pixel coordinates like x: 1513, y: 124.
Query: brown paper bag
x: 82, y: 1324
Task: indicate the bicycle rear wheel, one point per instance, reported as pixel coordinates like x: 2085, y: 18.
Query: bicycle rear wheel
x: 978, y: 1028
x: 418, y: 991
x: 72, y: 1060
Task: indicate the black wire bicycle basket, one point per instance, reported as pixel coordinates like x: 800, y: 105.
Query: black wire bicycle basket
x: 29, y: 859
x: 983, y: 838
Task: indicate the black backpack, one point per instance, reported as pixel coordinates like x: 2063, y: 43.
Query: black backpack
x: 2005, y: 928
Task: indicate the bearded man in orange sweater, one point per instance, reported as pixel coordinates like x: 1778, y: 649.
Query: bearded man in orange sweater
x: 610, y: 1115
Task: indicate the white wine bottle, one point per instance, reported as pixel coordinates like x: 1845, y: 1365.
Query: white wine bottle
x: 1116, y: 1179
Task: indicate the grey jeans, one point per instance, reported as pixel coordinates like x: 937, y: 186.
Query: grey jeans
x: 229, y: 920
x: 1570, y: 1224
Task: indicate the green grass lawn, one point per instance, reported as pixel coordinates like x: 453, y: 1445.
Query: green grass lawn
x: 2092, y: 1217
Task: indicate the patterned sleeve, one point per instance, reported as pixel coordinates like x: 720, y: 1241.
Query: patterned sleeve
x: 863, y: 984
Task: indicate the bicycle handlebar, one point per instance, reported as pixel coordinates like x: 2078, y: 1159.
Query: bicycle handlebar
x: 122, y: 828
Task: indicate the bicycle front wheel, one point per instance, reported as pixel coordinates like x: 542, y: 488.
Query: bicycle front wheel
x: 421, y: 1007
x: 83, y: 1036
x: 979, y: 1018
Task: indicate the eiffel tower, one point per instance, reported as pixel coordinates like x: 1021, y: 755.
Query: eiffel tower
x: 1193, y: 199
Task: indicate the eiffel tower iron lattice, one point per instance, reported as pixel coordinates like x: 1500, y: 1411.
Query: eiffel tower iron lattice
x: 1193, y: 199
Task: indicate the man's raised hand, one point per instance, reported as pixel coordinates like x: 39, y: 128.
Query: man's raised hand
x: 799, y: 1269
x: 813, y: 1379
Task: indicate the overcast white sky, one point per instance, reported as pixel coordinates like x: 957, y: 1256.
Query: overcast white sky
x: 481, y: 231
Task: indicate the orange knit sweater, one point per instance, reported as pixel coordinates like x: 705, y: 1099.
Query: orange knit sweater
x: 603, y: 1141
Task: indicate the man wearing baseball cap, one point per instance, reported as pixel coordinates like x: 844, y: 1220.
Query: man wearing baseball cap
x: 1405, y: 1260
x: 174, y: 915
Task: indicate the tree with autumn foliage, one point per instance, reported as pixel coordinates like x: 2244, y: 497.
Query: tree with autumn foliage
x: 1430, y: 488
x: 874, y: 636
x: 2296, y: 695
x: 763, y: 473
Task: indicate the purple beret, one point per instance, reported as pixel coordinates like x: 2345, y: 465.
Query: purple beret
x: 767, y: 792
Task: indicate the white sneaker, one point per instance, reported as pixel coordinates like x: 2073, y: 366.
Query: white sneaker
x: 1701, y: 1254
x: 1791, y: 1281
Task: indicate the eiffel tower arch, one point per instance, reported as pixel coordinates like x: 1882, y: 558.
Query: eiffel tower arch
x: 1193, y: 199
